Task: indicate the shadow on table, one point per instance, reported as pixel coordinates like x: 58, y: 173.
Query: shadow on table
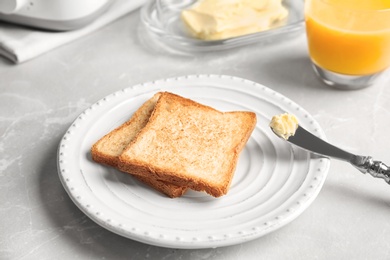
x: 6, y: 62
x: 294, y: 71
x: 353, y: 195
x: 82, y: 238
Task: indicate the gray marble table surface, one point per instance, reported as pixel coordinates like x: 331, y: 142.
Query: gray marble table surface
x: 350, y: 218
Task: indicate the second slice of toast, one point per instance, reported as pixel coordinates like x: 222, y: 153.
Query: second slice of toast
x: 189, y: 144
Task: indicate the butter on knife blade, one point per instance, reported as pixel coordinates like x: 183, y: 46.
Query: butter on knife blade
x: 284, y: 125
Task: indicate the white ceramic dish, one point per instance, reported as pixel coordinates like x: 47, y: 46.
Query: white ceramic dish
x: 273, y: 183
x: 161, y: 19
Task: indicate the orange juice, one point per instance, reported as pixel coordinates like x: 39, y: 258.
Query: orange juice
x: 349, y: 37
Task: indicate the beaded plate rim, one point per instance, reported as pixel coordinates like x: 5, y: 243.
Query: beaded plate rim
x: 78, y: 192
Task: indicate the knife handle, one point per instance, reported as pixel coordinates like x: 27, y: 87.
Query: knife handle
x: 377, y: 169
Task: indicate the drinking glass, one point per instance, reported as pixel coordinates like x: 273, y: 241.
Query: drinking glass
x: 349, y: 41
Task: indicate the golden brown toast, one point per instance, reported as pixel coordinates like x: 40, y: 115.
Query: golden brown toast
x: 189, y: 144
x: 109, y: 147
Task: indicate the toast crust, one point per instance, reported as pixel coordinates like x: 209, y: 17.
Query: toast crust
x: 189, y: 144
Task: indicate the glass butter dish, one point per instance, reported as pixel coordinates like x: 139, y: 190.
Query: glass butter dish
x: 163, y: 23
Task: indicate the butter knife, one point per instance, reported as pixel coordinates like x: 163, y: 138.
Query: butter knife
x: 312, y: 143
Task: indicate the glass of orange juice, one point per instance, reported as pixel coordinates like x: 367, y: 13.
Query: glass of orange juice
x: 349, y: 41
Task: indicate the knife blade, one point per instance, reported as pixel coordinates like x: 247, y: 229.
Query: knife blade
x: 308, y: 141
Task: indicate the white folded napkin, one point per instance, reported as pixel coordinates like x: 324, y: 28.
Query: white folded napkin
x: 20, y: 44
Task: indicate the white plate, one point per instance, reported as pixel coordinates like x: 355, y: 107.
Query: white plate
x: 274, y: 182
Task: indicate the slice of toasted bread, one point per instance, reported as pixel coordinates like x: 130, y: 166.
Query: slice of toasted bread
x: 109, y: 147
x: 189, y: 144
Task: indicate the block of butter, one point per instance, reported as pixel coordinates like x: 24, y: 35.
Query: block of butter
x: 222, y: 19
